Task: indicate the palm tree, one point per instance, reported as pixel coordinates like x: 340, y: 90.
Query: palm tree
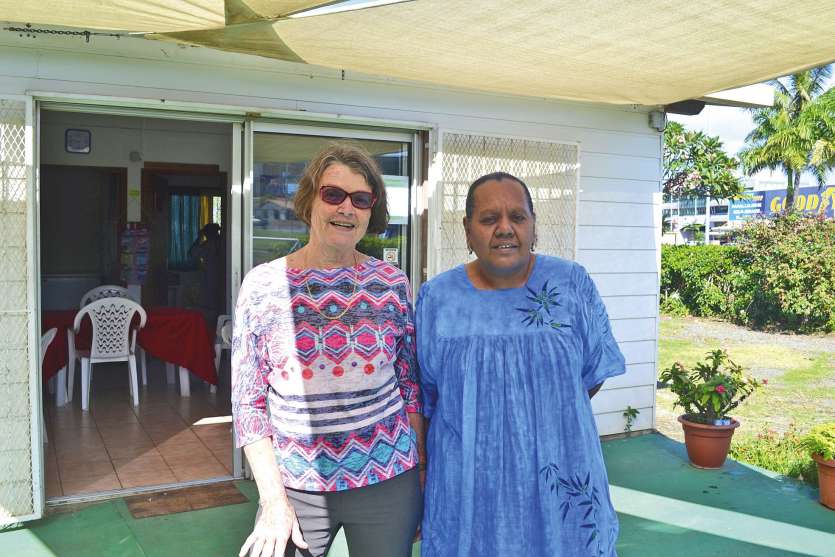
x: 797, y: 134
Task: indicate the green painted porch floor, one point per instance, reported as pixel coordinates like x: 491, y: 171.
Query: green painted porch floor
x: 666, y: 507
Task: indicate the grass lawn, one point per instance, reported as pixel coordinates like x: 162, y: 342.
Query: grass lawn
x: 801, y: 379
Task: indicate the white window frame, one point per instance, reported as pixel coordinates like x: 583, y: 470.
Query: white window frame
x: 411, y: 137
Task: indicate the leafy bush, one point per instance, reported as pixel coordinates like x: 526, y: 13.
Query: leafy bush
x: 821, y: 441
x: 672, y: 305
x: 783, y: 454
x: 704, y: 277
x: 711, y: 389
x: 789, y: 267
x: 286, y: 242
x: 373, y: 245
x: 779, y: 274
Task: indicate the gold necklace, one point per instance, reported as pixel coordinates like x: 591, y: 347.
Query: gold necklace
x: 347, y: 304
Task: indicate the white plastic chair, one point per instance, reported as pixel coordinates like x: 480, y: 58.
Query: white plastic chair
x: 46, y: 340
x: 223, y: 337
x: 98, y: 293
x: 113, y: 340
x: 106, y: 291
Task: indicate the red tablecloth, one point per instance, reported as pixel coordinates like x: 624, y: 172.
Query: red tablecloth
x: 175, y: 335
x: 56, y: 353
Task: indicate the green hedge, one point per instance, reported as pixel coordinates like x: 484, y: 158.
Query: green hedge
x: 269, y: 249
x: 789, y: 264
x: 780, y: 273
x: 702, y: 278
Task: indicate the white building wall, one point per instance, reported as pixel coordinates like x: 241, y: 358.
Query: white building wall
x: 156, y: 140
x: 114, y: 138
x: 619, y: 211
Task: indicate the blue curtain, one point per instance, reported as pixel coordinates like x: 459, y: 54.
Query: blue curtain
x: 185, y: 227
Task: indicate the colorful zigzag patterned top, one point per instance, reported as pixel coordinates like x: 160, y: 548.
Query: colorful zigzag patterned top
x: 333, y: 393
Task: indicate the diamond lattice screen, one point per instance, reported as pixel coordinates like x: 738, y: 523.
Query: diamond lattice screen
x: 15, y: 403
x: 550, y: 171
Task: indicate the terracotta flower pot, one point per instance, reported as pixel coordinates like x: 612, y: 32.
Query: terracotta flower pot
x: 707, y: 445
x: 826, y: 479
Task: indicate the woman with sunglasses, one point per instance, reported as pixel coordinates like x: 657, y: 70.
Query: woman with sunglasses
x: 324, y: 386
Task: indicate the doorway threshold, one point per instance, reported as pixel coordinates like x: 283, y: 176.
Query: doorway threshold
x: 82, y: 498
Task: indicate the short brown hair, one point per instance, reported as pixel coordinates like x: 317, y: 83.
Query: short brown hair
x: 359, y: 161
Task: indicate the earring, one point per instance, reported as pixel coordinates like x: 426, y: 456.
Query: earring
x: 533, y: 247
x: 469, y: 250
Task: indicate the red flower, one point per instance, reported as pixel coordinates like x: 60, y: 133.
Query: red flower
x: 720, y: 388
x: 765, y: 381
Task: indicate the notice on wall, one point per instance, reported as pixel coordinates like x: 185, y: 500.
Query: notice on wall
x: 391, y: 255
x: 134, y: 249
x: 134, y: 200
x: 397, y: 192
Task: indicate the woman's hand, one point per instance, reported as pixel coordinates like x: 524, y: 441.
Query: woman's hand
x: 276, y: 522
x: 275, y: 525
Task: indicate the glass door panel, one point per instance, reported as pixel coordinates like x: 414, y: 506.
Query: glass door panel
x: 279, y: 160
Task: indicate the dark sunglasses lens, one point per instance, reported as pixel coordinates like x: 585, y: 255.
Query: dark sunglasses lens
x: 362, y: 200
x: 334, y: 196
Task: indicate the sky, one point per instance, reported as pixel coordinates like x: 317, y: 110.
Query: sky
x: 732, y: 125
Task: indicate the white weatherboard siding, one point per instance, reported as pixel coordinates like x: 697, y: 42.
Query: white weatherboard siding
x: 617, y: 243
x: 619, y: 154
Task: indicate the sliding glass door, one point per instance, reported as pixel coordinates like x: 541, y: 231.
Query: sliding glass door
x: 279, y: 157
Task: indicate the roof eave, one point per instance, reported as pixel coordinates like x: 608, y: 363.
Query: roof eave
x: 759, y: 95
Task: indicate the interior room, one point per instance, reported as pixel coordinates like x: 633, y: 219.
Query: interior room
x: 137, y: 205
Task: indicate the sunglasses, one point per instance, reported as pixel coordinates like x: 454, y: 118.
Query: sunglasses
x: 333, y: 195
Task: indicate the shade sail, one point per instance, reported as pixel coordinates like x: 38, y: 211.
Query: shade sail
x: 650, y: 52
x: 119, y: 15
x: 149, y: 16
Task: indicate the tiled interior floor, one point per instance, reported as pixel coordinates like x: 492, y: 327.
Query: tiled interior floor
x: 116, y: 445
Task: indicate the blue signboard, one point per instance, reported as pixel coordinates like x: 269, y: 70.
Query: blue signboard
x: 810, y: 201
x: 745, y: 209
x: 806, y: 200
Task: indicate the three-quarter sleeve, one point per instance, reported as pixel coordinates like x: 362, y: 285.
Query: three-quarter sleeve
x: 428, y: 386
x: 249, y: 373
x: 602, y: 357
x: 406, y: 365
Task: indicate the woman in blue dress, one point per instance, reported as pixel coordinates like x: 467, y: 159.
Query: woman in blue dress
x: 512, y: 347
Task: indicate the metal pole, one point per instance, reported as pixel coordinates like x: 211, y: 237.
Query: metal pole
x: 707, y: 220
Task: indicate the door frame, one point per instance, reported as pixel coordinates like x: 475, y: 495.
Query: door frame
x: 149, y: 193
x: 126, y: 109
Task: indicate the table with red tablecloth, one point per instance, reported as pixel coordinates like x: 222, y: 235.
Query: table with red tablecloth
x: 175, y: 335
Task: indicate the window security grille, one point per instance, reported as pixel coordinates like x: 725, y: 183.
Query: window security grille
x: 16, y: 482
x: 550, y: 170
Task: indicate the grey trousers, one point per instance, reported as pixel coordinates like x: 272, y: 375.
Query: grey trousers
x: 379, y: 520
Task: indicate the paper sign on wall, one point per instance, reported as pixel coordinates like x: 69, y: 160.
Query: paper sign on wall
x: 391, y: 255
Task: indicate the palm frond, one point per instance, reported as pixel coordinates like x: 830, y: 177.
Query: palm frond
x: 797, y: 133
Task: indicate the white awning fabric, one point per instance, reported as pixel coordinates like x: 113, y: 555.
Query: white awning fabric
x: 651, y: 52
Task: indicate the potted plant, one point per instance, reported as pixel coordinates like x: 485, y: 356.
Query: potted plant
x: 820, y: 442
x: 707, y: 393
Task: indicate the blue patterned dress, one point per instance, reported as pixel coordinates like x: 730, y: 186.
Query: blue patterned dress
x: 515, y: 465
